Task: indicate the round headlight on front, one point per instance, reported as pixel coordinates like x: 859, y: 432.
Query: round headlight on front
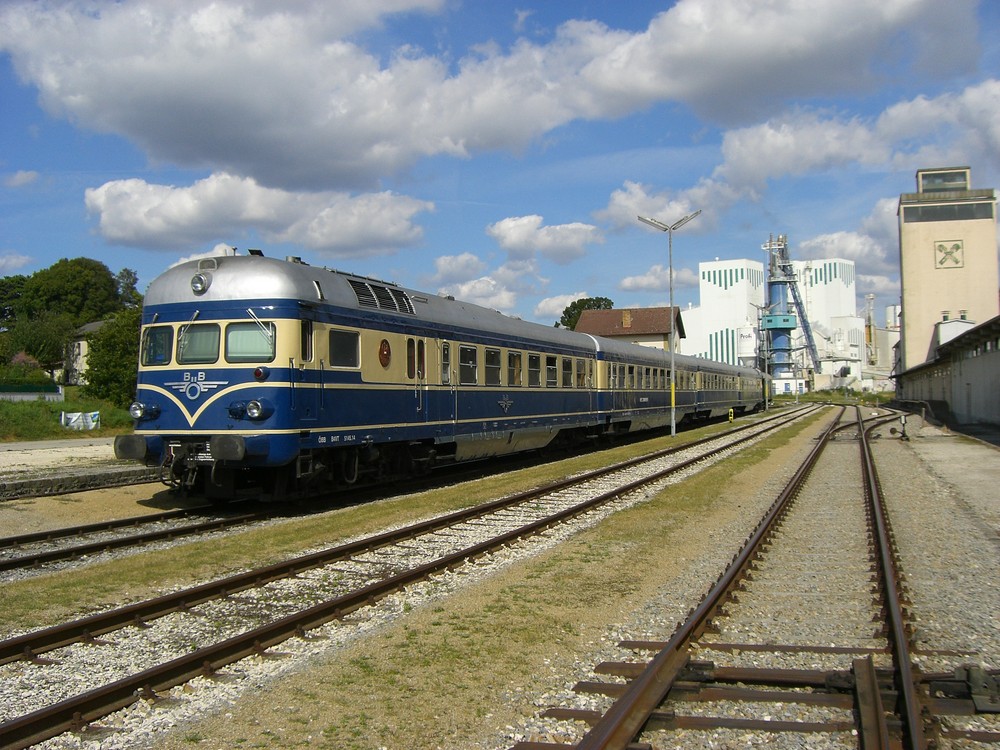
x: 255, y: 409
x: 200, y: 282
x: 139, y: 410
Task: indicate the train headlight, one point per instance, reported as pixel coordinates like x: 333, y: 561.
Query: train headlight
x: 200, y: 282
x: 139, y: 410
x: 258, y: 408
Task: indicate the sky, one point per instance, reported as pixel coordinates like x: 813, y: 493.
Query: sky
x: 496, y: 151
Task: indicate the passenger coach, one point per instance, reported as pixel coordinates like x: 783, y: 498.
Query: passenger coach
x: 257, y: 372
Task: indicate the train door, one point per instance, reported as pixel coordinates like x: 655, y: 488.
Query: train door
x: 445, y: 405
x: 620, y: 386
x: 416, y: 376
x: 307, y: 399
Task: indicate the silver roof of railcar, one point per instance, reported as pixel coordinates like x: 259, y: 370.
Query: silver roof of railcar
x: 255, y: 277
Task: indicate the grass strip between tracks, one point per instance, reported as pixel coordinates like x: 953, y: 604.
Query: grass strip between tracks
x: 47, y: 599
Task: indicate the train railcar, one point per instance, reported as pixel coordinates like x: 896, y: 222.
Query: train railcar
x: 279, y: 376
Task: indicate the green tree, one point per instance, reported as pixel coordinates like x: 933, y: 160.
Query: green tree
x: 125, y: 280
x: 112, y: 358
x: 11, y: 288
x: 44, y: 337
x: 571, y: 315
x: 82, y: 288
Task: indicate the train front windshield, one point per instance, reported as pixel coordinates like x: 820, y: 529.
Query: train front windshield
x: 199, y: 343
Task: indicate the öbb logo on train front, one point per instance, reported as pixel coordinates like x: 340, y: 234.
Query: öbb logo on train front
x: 194, y: 384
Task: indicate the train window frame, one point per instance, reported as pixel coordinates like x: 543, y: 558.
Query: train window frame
x: 157, y: 346
x: 581, y: 373
x: 445, y: 363
x: 551, y: 371
x: 184, y: 351
x: 306, y: 340
x: 534, y: 370
x: 566, y: 367
x: 515, y: 364
x: 343, y: 355
x: 468, y: 365
x: 241, y: 336
x: 492, y: 365
x: 411, y: 358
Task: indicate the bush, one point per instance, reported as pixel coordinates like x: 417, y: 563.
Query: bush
x: 24, y: 370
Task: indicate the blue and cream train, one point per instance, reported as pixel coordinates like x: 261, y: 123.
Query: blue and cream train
x: 274, y: 374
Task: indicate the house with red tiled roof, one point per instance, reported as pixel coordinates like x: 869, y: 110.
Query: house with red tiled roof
x: 647, y: 326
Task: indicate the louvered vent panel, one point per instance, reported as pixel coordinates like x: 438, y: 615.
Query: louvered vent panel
x: 403, y: 303
x: 380, y: 297
x: 364, y: 293
x: 385, y: 300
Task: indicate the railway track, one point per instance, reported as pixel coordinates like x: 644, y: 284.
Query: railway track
x: 249, y: 613
x: 794, y: 639
x: 32, y: 551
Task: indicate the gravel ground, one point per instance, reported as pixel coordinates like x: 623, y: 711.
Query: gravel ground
x: 474, y: 670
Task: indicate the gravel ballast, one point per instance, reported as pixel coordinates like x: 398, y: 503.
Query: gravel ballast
x: 473, y: 669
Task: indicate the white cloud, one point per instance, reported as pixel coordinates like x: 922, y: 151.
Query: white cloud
x: 20, y: 178
x: 634, y: 199
x: 484, y: 291
x: 523, y: 236
x: 455, y: 268
x: 10, y: 262
x: 552, y: 307
x: 286, y: 94
x: 879, y: 285
x: 221, y: 249
x: 861, y: 248
x: 134, y: 212
x: 657, y: 279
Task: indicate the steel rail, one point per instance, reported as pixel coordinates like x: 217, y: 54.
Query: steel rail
x: 75, y: 712
x: 11, y: 542
x: 617, y: 729
x: 910, y: 708
x: 134, y: 540
x: 31, y: 645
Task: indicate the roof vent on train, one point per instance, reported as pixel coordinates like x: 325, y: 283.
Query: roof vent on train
x: 381, y: 297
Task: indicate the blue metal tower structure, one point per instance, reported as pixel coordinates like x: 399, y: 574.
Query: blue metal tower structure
x: 783, y: 302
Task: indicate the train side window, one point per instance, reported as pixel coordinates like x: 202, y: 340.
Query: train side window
x: 156, y: 345
x: 514, y: 369
x: 445, y: 363
x: 534, y: 370
x: 630, y: 381
x: 621, y: 377
x: 567, y: 372
x: 411, y: 359
x: 612, y: 376
x: 344, y: 348
x: 467, y: 365
x: 551, y: 372
x: 250, y: 342
x: 492, y: 360
x: 306, y: 347
x: 198, y: 344
x: 421, y: 360
x: 581, y: 374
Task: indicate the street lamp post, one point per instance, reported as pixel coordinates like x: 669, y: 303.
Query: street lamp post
x: 669, y: 229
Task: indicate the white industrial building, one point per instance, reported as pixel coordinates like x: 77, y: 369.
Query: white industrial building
x: 726, y: 325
